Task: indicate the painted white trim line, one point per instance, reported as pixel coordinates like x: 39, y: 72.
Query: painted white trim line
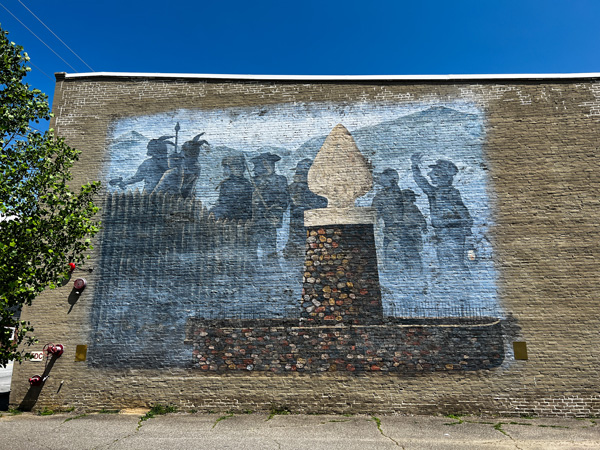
x: 527, y: 76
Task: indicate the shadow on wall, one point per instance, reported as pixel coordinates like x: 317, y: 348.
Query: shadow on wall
x: 164, y: 259
x: 31, y: 398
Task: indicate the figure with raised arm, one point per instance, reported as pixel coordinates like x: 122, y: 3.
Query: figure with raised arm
x: 152, y: 169
x: 450, y: 217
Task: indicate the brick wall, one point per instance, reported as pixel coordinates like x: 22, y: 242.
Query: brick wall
x: 169, y: 263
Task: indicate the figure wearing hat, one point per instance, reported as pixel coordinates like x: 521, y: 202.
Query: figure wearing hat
x: 389, y: 204
x: 450, y: 217
x: 184, y: 169
x: 302, y: 199
x: 235, y: 192
x: 152, y: 169
x: 270, y: 200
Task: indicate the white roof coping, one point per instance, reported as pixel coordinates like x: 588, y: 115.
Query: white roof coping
x: 521, y: 76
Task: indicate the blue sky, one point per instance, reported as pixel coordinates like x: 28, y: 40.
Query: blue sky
x: 308, y: 37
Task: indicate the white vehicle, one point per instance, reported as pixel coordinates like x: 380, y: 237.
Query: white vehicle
x: 6, y: 375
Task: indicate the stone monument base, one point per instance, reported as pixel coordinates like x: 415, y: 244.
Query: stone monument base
x: 340, y: 279
x: 403, y: 346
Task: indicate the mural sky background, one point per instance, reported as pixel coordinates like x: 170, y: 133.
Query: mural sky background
x: 312, y: 37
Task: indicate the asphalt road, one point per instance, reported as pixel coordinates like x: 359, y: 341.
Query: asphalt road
x: 258, y: 431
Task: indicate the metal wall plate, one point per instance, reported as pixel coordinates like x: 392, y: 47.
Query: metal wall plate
x: 520, y: 349
x: 81, y: 353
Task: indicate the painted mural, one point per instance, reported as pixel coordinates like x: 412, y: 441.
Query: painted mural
x: 204, y: 224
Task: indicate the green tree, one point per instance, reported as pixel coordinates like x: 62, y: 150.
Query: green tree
x: 44, y: 225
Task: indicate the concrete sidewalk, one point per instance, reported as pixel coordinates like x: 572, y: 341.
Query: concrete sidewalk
x: 259, y: 431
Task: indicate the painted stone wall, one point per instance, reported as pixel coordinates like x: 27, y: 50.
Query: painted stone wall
x: 482, y: 197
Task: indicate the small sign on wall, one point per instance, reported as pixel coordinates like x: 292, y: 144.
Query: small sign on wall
x: 37, y: 356
x: 520, y: 350
x: 81, y: 353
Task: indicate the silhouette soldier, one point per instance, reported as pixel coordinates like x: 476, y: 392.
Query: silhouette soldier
x: 184, y: 170
x: 270, y: 200
x: 413, y: 227
x: 389, y: 204
x: 450, y: 217
x: 152, y: 169
x: 235, y: 192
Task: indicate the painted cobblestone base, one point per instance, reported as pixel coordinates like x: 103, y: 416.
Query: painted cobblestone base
x: 341, y: 283
x: 276, y: 346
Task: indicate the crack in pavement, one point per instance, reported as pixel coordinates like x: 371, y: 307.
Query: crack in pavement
x: 225, y: 417
x: 377, y: 420
x: 116, y: 440
x: 498, y: 427
x: 110, y: 444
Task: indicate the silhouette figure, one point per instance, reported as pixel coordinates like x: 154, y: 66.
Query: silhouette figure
x: 302, y: 199
x: 184, y: 169
x: 235, y: 192
x: 270, y: 200
x: 450, y: 217
x: 389, y: 203
x: 151, y: 170
x: 413, y: 227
